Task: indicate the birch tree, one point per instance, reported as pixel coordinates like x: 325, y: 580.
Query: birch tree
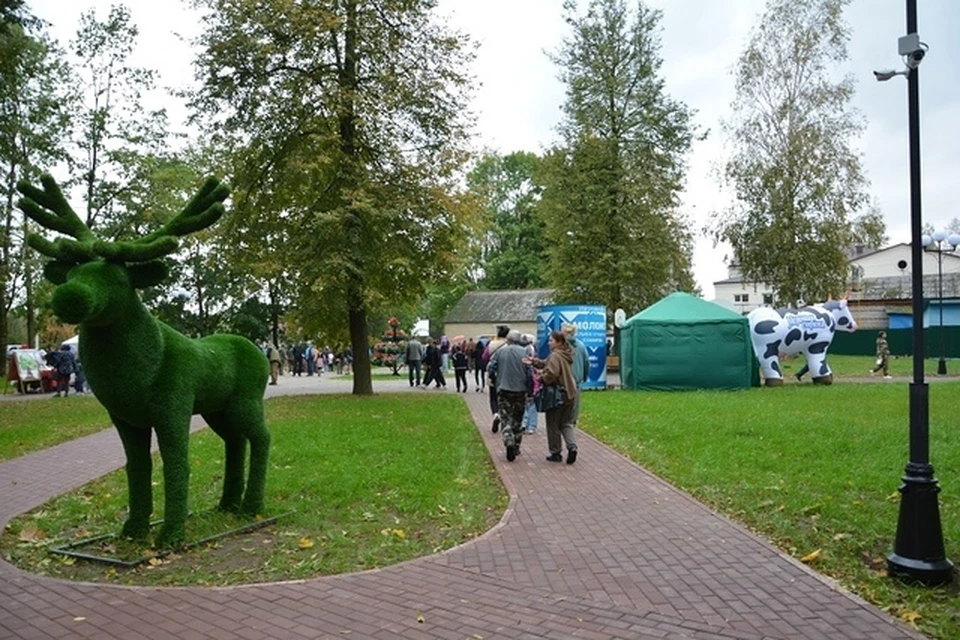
x: 801, y: 193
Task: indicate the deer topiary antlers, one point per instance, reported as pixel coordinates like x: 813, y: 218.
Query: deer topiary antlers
x: 51, y: 210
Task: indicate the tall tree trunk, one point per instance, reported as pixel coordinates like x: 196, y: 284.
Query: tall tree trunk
x: 356, y: 309
x: 5, y: 296
x: 362, y: 378
x: 202, y: 319
x: 274, y: 316
x: 31, y: 311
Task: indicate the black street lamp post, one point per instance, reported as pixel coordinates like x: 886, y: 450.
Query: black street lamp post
x: 939, y: 243
x: 918, y: 552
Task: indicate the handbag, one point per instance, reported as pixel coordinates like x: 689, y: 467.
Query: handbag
x: 550, y: 396
x: 879, y: 361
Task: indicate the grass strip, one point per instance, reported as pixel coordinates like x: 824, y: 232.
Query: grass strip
x: 31, y: 425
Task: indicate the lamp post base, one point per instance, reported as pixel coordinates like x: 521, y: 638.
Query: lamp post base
x: 929, y: 573
x: 942, y: 367
x: 918, y: 553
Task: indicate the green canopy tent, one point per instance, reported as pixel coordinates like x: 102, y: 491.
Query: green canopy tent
x: 683, y: 342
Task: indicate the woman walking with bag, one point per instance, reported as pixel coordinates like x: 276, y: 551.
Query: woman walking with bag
x: 557, y: 396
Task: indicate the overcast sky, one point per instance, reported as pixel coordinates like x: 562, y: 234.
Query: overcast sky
x: 518, y: 100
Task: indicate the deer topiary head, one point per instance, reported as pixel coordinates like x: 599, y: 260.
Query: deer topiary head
x: 146, y: 374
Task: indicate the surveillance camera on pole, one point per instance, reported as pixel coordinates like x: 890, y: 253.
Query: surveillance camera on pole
x: 912, y: 51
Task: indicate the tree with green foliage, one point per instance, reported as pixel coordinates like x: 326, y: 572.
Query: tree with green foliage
x: 439, y: 299
x: 116, y: 131
x: 345, y: 122
x: 610, y: 201
x: 202, y: 293
x: 798, y: 183
x: 14, y: 13
x: 33, y: 115
x: 512, y: 249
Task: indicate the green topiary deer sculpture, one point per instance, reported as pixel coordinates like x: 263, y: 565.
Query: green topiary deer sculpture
x: 147, y: 375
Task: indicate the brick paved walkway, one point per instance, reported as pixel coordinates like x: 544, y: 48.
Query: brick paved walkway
x: 599, y: 549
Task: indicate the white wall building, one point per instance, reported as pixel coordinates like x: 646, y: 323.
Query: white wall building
x: 875, y: 274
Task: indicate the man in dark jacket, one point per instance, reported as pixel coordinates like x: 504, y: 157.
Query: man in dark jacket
x: 434, y: 364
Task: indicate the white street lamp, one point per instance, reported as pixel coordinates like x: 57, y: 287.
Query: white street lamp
x: 940, y: 243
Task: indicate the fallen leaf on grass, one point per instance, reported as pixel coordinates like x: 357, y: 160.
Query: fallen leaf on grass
x: 810, y: 557
x: 305, y: 543
x: 30, y: 534
x: 909, y: 616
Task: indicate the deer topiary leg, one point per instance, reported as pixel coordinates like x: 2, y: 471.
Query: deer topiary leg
x: 136, y: 446
x: 257, y: 480
x: 173, y: 436
x: 235, y: 451
x: 248, y: 418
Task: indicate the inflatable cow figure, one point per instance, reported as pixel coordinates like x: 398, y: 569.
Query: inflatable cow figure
x: 808, y: 330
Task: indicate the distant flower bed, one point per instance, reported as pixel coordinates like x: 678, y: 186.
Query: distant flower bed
x: 388, y: 354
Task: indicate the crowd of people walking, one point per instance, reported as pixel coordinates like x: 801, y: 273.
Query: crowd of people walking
x: 304, y: 358
x: 519, y: 384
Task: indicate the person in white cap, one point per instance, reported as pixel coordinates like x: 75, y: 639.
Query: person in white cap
x: 580, y: 365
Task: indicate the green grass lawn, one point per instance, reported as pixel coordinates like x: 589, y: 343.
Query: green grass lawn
x: 31, y: 425
x: 860, y: 366
x: 362, y: 475
x: 814, y: 469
